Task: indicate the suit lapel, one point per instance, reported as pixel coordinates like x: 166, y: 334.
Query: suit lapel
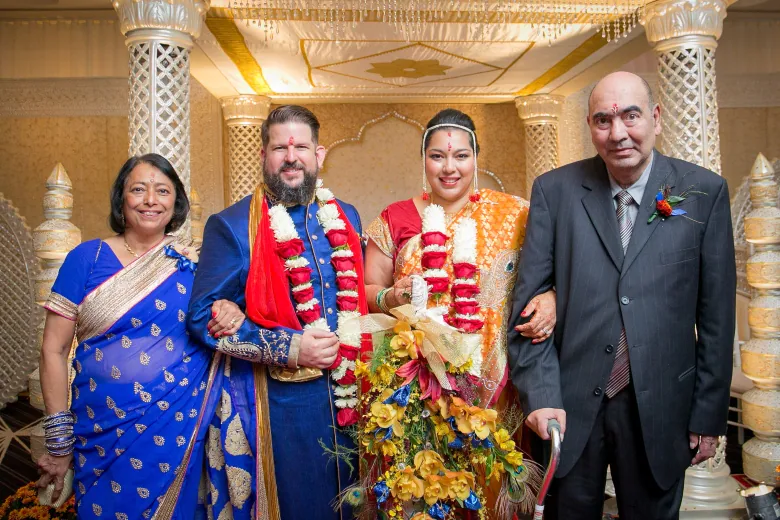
x: 601, y: 210
x: 660, y: 174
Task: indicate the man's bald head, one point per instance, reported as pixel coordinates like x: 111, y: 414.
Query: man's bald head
x: 624, y: 122
x: 626, y: 78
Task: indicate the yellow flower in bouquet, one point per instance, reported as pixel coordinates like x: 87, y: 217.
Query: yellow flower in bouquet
x: 504, y: 440
x: 498, y: 469
x: 428, y: 462
x: 406, y: 341
x: 407, y: 485
x: 440, y: 406
x: 514, y: 458
x: 443, y: 429
x: 383, y: 375
x: 362, y: 370
x: 436, y: 488
x: 482, y: 421
x: 460, y: 484
x: 459, y: 409
x: 388, y: 448
x: 388, y: 416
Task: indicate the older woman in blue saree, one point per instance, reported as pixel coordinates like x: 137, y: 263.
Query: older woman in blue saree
x: 134, y: 430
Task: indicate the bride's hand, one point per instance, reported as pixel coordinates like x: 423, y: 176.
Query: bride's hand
x: 400, y: 293
x: 53, y: 469
x: 226, y: 319
x: 542, y: 324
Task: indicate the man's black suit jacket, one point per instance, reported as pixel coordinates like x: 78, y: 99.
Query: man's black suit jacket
x: 673, y: 291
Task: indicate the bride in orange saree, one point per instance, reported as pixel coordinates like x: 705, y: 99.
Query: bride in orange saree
x: 397, y: 249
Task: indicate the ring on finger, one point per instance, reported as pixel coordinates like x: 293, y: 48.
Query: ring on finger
x: 233, y: 321
x: 407, y: 295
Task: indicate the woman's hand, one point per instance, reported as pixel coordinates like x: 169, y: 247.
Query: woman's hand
x: 53, y: 469
x: 542, y: 324
x: 400, y: 293
x: 226, y: 319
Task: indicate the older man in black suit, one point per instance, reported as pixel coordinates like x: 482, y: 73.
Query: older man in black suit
x: 639, y: 248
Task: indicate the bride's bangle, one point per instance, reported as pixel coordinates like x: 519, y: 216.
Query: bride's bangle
x: 381, y: 300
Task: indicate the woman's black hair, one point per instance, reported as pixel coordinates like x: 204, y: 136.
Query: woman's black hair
x: 450, y: 116
x: 181, y: 206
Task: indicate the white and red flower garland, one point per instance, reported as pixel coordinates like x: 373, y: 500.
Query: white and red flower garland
x: 308, y: 308
x: 464, y: 304
x: 434, y: 253
x: 464, y: 312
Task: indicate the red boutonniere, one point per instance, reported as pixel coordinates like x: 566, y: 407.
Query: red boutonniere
x: 665, y: 203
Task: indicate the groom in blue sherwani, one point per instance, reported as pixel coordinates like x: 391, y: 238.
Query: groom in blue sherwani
x: 272, y: 389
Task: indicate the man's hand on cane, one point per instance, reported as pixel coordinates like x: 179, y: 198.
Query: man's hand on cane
x: 537, y: 421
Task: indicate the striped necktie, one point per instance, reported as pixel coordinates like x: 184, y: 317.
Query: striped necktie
x: 621, y: 372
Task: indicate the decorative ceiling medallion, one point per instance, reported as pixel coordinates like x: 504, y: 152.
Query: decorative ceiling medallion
x: 405, y: 68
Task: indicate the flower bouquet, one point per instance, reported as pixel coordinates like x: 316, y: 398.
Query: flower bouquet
x: 431, y: 451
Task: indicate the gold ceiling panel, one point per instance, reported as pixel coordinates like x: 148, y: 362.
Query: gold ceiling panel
x: 223, y: 26
x: 574, y: 58
x: 232, y: 42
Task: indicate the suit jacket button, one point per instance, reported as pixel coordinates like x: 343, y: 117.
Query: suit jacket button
x: 597, y: 391
x: 609, y: 349
x: 624, y: 300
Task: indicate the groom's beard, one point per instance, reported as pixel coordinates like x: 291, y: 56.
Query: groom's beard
x: 301, y: 194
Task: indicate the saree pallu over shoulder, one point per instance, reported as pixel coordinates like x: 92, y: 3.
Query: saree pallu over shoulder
x: 500, y: 220
x: 116, y: 296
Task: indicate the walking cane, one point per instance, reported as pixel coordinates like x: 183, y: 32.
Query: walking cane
x: 554, y: 429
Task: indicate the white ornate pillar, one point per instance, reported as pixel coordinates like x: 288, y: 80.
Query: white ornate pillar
x: 53, y: 240
x: 540, y: 114
x: 761, y: 355
x: 244, y: 116
x: 684, y: 34
x: 159, y: 35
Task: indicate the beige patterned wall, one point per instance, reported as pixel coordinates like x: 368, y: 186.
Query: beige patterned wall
x: 384, y: 165
x: 744, y: 133
x: 91, y: 147
x: 371, y: 175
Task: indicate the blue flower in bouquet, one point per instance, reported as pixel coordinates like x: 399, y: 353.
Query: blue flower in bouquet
x: 457, y: 444
x: 382, y: 492
x: 472, y: 502
x: 400, y: 396
x: 383, y: 434
x: 438, y: 511
x: 477, y: 443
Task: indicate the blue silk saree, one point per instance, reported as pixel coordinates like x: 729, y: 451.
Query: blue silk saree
x: 139, y: 386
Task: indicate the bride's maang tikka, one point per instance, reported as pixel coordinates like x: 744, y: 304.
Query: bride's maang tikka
x: 474, y: 197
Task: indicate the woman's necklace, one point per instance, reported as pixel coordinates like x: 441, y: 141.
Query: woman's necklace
x: 129, y: 249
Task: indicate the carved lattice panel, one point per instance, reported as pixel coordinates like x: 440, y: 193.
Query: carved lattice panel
x: 159, y: 103
x: 690, y: 105
x: 19, y: 314
x: 140, y: 89
x: 541, y: 150
x: 245, y: 143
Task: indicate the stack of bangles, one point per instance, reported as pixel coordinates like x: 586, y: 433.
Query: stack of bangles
x: 381, y: 300
x: 59, y: 437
